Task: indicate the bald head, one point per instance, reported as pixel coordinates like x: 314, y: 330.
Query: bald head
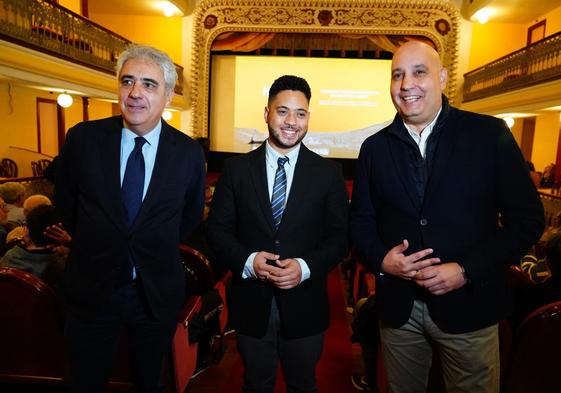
x: 418, y: 80
x: 34, y: 201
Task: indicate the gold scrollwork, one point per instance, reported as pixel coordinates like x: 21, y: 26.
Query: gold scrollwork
x: 436, y: 20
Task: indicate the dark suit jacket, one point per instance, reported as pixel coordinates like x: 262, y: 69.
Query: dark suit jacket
x: 88, y: 194
x: 478, y: 173
x: 313, y: 227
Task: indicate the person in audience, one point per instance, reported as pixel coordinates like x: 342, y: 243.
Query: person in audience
x: 365, y: 332
x: 535, y: 176
x: 536, y: 269
x: 428, y: 192
x: 3, y: 223
x: 13, y: 194
x: 17, y: 234
x: 278, y: 220
x: 37, y: 255
x: 531, y: 297
x: 129, y: 188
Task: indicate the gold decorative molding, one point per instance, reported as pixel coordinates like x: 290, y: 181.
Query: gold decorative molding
x: 436, y: 20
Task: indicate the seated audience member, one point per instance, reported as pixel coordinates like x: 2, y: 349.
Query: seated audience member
x: 535, y: 176
x: 3, y: 221
x: 37, y: 256
x: 13, y: 194
x: 531, y: 297
x: 535, y: 268
x: 30, y: 202
x: 366, y: 333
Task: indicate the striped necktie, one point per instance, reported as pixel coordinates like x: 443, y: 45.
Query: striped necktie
x: 279, y: 192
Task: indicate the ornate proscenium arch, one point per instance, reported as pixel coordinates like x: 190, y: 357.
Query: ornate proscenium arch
x: 436, y: 20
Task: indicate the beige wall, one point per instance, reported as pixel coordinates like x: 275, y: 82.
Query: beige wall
x: 546, y: 138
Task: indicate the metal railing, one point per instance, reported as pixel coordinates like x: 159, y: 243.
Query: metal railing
x: 529, y: 66
x: 49, y: 28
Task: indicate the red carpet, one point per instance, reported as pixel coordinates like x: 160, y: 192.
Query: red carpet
x: 336, y: 365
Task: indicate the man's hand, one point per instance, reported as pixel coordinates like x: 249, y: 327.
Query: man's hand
x: 261, y: 268
x: 288, y: 275
x: 441, y: 279
x: 398, y: 264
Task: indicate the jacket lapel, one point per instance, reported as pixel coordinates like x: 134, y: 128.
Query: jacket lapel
x: 401, y: 162
x: 300, y: 184
x: 442, y: 157
x: 258, y: 175
x: 110, y: 156
x: 162, y: 165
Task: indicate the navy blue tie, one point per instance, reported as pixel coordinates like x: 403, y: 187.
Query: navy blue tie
x: 279, y: 192
x: 133, y: 181
x: 131, y: 196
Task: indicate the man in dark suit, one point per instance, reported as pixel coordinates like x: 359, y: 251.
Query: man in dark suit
x: 278, y: 220
x: 442, y: 205
x: 129, y: 187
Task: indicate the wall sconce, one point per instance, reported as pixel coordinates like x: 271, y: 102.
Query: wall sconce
x: 167, y: 115
x: 65, y: 100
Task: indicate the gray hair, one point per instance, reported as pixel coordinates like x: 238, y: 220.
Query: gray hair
x: 157, y: 56
x: 12, y: 191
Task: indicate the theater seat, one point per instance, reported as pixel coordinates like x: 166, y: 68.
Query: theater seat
x: 535, y: 362
x: 31, y: 328
x: 205, y: 278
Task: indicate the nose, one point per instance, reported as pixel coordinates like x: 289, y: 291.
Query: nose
x: 290, y: 118
x: 136, y: 89
x: 406, y: 82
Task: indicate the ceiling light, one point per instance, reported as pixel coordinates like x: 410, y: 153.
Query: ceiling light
x: 482, y: 16
x: 169, y: 9
x: 65, y: 100
x: 167, y: 115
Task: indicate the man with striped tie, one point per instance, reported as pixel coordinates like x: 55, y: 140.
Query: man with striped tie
x: 278, y: 221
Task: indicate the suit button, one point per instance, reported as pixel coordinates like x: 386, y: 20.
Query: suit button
x: 277, y: 242
x: 423, y: 222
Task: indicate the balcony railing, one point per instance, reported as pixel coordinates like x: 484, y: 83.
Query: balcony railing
x: 52, y: 29
x: 529, y: 66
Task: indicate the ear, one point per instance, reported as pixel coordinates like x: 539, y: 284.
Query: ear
x: 443, y: 78
x: 266, y: 113
x: 169, y: 97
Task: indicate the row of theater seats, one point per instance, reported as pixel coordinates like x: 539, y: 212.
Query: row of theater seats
x: 32, y: 323
x: 530, y: 355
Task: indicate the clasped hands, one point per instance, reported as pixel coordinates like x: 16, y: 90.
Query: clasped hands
x: 282, y: 273
x: 427, y: 272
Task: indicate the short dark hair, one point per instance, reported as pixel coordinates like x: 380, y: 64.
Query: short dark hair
x: 37, y: 221
x: 290, y: 82
x: 553, y: 253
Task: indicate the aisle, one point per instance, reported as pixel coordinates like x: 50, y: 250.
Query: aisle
x: 334, y: 369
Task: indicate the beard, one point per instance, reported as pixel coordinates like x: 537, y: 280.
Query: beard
x: 275, y: 137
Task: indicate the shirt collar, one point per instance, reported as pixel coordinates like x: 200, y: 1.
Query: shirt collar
x: 271, y: 155
x: 151, y: 136
x: 425, y: 131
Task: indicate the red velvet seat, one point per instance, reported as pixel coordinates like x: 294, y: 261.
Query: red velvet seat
x: 31, y: 328
x: 536, y: 354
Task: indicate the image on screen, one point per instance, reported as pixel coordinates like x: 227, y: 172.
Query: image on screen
x: 350, y: 101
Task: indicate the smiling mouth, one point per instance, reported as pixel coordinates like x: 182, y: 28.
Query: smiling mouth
x: 411, y: 98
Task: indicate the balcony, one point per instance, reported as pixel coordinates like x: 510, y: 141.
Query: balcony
x: 533, y: 65
x: 49, y: 28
